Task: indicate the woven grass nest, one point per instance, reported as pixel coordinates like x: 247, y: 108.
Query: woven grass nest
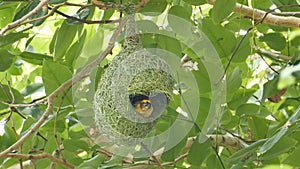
x: 134, y: 71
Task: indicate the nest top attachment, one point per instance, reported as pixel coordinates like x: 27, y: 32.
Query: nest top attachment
x: 133, y: 92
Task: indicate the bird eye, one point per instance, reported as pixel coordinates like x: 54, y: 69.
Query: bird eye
x: 146, y: 104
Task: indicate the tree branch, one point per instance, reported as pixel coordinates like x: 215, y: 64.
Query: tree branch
x: 272, y: 55
x: 51, y: 98
x: 19, y: 21
x: 271, y: 19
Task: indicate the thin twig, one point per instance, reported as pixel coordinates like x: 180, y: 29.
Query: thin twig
x: 272, y: 55
x: 19, y: 21
x: 152, y: 155
x: 297, y: 14
x: 83, y: 21
x: 55, y: 123
x: 51, y: 98
x: 39, y: 156
x: 140, y: 5
x: 233, y: 54
x: 182, y: 157
x: 33, y: 103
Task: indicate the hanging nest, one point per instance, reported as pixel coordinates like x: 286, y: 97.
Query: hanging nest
x: 133, y: 74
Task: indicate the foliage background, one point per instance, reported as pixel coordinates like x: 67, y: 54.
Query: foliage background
x: 38, y: 56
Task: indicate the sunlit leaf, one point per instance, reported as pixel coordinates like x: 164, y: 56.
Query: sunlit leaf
x: 35, y: 58
x: 52, y: 78
x: 11, y: 38
x: 65, y: 37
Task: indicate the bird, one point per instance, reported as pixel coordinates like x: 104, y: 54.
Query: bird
x: 142, y: 105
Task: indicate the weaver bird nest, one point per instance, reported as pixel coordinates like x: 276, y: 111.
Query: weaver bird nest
x: 134, y: 75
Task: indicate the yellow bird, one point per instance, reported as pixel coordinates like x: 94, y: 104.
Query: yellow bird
x: 142, y: 105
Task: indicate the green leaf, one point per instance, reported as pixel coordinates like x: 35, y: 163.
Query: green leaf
x: 54, y: 75
x: 244, y: 50
x: 73, y: 145
x: 35, y: 58
x: 93, y: 162
x: 223, y: 40
x: 180, y: 12
x: 233, y: 82
x: 80, y: 14
x: 199, y: 152
x: 246, y: 152
x: 270, y: 89
x: 7, y: 138
x: 56, y: 1
x: 108, y: 14
x: 43, y: 163
x: 6, y: 59
x: 72, y: 158
x: 275, y: 41
x: 33, y: 88
x: 173, y: 151
x: 179, y: 21
x: 6, y: 13
x: 40, y: 13
x: 213, y: 162
x: 99, y: 73
x: 169, y: 44
x: 6, y: 96
x: 27, y: 124
x: 26, y: 9
x: 11, y: 38
x: 10, y: 162
x: 50, y: 146
x: 222, y: 9
x: 293, y: 158
x: 258, y: 127
x: 154, y: 7
x: 147, y: 26
x: 65, y: 37
x: 75, y: 50
x: 240, y: 97
x: 273, y: 140
x: 282, y: 146
x: 195, y: 2
x: 247, y: 109
x: 203, y: 111
x: 34, y: 111
x: 289, y: 76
